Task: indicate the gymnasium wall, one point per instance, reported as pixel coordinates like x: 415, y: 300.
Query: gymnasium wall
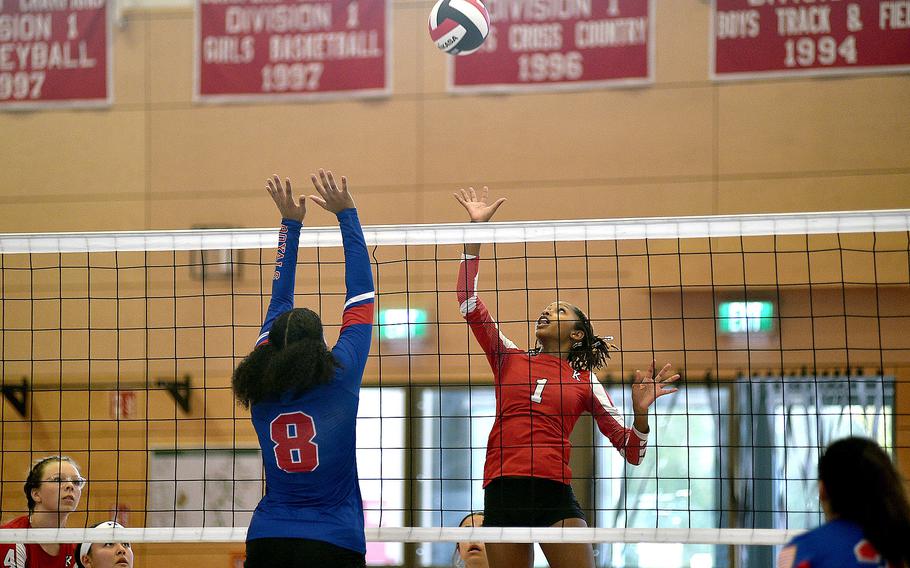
x: 682, y: 146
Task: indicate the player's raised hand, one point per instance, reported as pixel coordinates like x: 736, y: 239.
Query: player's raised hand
x: 477, y: 207
x: 283, y: 196
x: 331, y: 197
x: 648, y: 387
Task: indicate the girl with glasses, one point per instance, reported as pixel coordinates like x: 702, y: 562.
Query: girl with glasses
x: 52, y: 488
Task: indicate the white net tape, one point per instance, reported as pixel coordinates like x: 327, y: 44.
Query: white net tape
x: 420, y: 534
x: 458, y: 233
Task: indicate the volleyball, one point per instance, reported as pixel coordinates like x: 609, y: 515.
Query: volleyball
x: 459, y: 27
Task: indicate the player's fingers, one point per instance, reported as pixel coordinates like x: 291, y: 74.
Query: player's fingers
x: 325, y: 182
x: 331, y: 178
x: 317, y: 185
x: 498, y: 202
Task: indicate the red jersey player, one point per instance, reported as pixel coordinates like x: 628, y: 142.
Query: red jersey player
x: 53, y: 488
x: 540, y: 394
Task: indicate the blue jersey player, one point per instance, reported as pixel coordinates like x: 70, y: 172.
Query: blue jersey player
x: 867, y: 511
x: 303, y: 399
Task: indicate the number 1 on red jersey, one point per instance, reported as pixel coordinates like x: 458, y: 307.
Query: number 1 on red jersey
x: 295, y: 450
x: 538, y: 392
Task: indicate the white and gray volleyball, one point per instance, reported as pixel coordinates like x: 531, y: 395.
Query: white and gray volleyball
x: 459, y: 26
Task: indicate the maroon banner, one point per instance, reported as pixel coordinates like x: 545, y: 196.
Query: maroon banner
x: 762, y: 38
x: 537, y: 45
x: 291, y: 49
x: 54, y: 53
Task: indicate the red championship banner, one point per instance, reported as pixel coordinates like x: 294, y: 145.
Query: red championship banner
x: 253, y: 50
x: 753, y: 39
x: 54, y: 53
x: 544, y: 45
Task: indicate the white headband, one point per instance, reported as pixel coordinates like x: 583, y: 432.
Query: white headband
x: 85, y: 547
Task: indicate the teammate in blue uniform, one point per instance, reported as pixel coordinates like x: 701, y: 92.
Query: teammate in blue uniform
x: 303, y: 399
x: 866, y: 507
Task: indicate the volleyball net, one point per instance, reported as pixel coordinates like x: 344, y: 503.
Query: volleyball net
x: 789, y: 332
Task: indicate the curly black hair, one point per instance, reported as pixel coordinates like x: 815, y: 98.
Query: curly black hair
x: 863, y: 486
x: 591, y: 352
x: 295, y: 359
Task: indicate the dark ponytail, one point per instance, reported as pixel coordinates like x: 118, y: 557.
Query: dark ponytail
x: 863, y: 486
x: 294, y: 360
x: 591, y: 352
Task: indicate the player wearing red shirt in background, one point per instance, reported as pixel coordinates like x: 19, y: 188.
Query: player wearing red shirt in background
x: 53, y: 488
x: 866, y: 509
x: 540, y: 394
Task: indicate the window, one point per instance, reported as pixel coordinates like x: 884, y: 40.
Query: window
x: 454, y: 425
x: 676, y: 486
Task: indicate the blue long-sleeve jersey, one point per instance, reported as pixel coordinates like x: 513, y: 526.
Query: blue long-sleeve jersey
x: 309, y: 441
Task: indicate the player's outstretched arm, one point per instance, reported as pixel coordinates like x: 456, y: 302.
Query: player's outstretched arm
x: 292, y: 210
x: 353, y: 345
x: 479, y: 211
x: 494, y: 343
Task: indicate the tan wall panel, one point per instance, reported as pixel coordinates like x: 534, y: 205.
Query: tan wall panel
x: 431, y: 63
x: 89, y: 153
x: 681, y: 41
x: 849, y: 193
x: 409, y: 40
x: 814, y: 125
x: 130, y: 50
x: 25, y: 216
x: 232, y: 148
x: 170, y: 56
x: 577, y: 136
x: 252, y: 207
x: 554, y: 200
x: 219, y: 555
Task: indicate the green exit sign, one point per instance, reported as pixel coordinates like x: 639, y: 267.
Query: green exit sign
x: 745, y: 317
x: 402, y: 323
